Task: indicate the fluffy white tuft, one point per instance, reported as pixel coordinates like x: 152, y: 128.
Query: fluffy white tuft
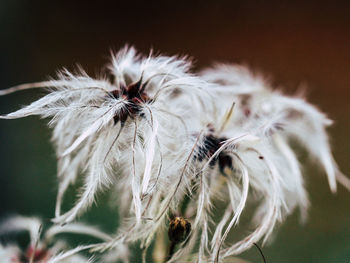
x: 171, y: 143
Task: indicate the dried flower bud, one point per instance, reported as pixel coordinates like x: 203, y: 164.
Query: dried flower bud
x: 179, y: 229
x: 37, y: 254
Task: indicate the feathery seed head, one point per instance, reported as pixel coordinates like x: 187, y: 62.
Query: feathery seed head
x: 135, y: 134
x: 44, y: 247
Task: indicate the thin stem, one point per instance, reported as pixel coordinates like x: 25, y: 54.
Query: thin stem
x: 144, y: 254
x: 171, y: 250
x: 261, y: 253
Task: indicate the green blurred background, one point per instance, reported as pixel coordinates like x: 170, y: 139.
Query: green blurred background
x: 296, y: 43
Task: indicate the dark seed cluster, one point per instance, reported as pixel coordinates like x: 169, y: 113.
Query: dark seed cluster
x: 210, y: 145
x: 135, y: 95
x: 179, y: 229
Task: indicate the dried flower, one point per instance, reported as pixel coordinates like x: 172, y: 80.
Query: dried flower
x: 179, y: 229
x: 134, y: 127
x: 45, y: 248
x: 250, y: 143
x: 172, y: 143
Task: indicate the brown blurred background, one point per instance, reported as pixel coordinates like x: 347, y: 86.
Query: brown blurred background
x: 296, y: 43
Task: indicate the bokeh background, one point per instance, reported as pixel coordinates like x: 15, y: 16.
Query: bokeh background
x: 298, y: 44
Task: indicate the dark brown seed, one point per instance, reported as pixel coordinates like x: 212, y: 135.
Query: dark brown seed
x: 179, y: 229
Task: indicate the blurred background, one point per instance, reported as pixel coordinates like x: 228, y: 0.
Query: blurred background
x: 297, y: 44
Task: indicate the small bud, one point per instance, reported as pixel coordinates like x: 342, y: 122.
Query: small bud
x: 37, y: 254
x: 179, y: 229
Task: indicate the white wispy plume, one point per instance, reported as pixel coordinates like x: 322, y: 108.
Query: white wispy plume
x: 176, y: 147
x: 133, y: 126
x: 247, y: 154
x: 44, y: 246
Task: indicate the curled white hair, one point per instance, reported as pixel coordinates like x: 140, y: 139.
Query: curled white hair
x: 134, y: 126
